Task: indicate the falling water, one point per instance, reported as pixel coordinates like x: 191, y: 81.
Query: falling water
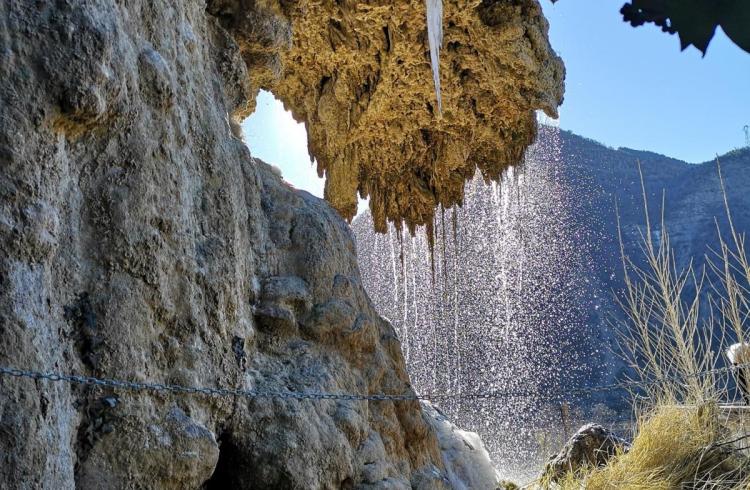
x: 504, y: 309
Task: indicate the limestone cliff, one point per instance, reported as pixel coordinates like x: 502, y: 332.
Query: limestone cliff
x: 358, y: 74
x: 140, y: 240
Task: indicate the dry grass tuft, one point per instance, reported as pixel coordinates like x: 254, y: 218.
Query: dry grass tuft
x: 675, y: 448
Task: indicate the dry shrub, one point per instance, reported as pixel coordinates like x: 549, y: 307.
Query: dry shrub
x: 681, y: 442
x: 675, y: 448
x: 665, y: 338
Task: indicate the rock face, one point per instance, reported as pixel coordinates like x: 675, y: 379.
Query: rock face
x: 591, y: 446
x: 358, y: 74
x: 140, y: 240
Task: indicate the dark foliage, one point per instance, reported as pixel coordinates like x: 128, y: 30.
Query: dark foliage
x: 694, y: 21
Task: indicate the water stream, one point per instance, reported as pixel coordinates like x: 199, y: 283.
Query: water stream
x: 502, y: 306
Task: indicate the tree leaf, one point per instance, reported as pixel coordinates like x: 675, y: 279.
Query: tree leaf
x: 694, y: 21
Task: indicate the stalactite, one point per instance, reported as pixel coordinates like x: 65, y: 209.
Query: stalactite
x: 430, y: 232
x: 435, y: 38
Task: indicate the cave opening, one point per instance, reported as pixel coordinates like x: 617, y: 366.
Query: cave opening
x: 226, y: 467
x: 275, y: 137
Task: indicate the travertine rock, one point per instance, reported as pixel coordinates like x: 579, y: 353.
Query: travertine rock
x: 358, y: 74
x: 140, y: 240
x: 467, y: 463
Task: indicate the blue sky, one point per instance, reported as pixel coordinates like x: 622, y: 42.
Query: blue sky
x: 276, y: 138
x: 634, y: 87
x: 625, y: 87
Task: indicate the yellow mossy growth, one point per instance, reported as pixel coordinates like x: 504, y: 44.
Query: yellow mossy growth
x: 359, y: 75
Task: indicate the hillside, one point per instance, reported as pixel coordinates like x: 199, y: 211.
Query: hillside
x: 691, y: 192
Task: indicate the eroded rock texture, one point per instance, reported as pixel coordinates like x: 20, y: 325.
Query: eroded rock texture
x: 358, y: 74
x: 140, y: 240
x: 591, y: 446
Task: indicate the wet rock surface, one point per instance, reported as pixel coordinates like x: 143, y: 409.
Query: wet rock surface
x: 467, y: 463
x: 591, y: 446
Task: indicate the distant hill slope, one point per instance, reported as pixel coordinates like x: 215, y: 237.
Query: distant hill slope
x: 691, y: 192
x: 688, y: 194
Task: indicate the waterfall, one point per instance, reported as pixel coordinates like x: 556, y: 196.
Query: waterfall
x: 505, y: 309
x: 435, y: 39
